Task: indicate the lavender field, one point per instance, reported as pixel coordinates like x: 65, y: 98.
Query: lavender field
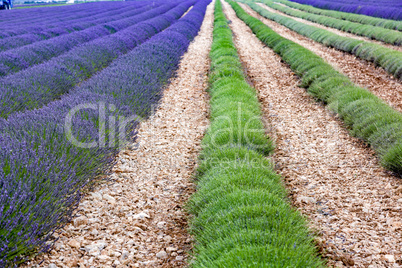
x: 88, y: 58
x: 200, y: 133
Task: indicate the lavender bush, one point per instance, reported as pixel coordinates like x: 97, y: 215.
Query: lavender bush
x: 37, y: 86
x: 382, y: 9
x: 55, y: 15
x: 42, y: 173
x: 43, y: 33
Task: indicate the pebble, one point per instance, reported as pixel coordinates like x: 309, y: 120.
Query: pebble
x: 94, y: 252
x: 52, y: 265
x: 97, y: 196
x: 74, y: 244
x: 80, y: 221
x: 167, y: 238
x: 124, y: 255
x: 109, y: 199
x: 161, y: 254
x: 141, y: 215
x: 179, y: 258
x: 170, y: 249
x: 305, y: 199
x: 161, y: 224
x: 389, y: 258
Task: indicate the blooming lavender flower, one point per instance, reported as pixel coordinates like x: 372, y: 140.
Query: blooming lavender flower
x: 42, y: 173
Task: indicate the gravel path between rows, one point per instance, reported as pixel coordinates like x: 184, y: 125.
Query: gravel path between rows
x: 138, y: 220
x: 361, y: 72
x: 333, y: 30
x: 332, y: 178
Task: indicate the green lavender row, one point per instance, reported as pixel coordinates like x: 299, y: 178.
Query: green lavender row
x: 370, y: 31
x: 363, y: 19
x: 241, y: 216
x: 389, y: 59
x: 369, y: 117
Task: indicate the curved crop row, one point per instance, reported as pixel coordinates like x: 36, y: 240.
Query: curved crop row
x: 380, y: 9
x: 39, y: 85
x: 17, y: 59
x: 373, y: 32
x: 363, y: 19
x: 242, y: 218
x: 64, y: 29
x: 25, y: 23
x: 369, y: 117
x: 389, y: 59
x: 57, y: 15
x: 42, y: 172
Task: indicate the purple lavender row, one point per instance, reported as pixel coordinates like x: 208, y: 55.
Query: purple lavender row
x: 41, y: 84
x: 358, y: 7
x: 80, y: 28
x: 45, y: 23
x: 55, y: 14
x: 51, y: 25
x: 88, y: 13
x: 83, y: 27
x: 17, y: 59
x: 42, y: 173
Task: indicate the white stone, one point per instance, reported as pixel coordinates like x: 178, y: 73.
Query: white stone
x: 170, y: 249
x: 161, y: 224
x: 167, y: 238
x: 141, y: 215
x: 97, y: 196
x: 74, y: 243
x: 179, y: 258
x: 124, y: 255
x: 305, y: 199
x: 389, y: 258
x: 109, y: 199
x: 161, y: 254
x: 80, y: 221
x: 94, y: 252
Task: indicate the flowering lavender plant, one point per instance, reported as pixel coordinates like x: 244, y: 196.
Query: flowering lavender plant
x: 49, y: 154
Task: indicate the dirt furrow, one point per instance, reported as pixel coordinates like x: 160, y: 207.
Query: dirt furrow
x: 336, y: 31
x: 361, y: 72
x: 138, y: 219
x: 332, y: 178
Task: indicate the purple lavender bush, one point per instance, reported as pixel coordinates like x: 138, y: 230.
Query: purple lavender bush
x: 25, y: 22
x: 42, y: 173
